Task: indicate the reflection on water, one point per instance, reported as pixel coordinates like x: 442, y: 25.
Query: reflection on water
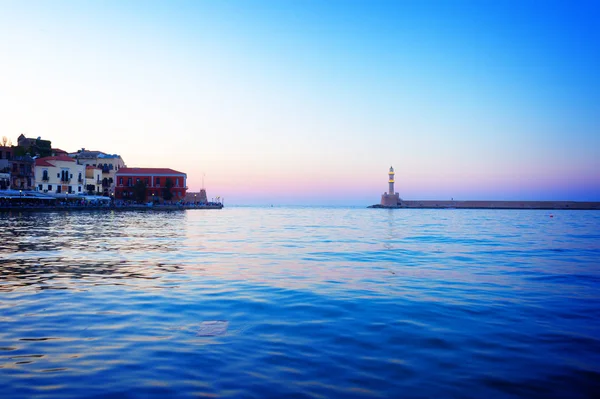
x: 305, y: 302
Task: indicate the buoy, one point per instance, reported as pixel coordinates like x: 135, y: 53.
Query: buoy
x: 551, y: 216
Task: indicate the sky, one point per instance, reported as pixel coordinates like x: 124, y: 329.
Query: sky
x: 310, y: 102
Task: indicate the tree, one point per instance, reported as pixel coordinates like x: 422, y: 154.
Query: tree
x: 167, y: 194
x: 140, y: 192
x: 4, y: 141
x: 19, y: 151
x: 43, y: 147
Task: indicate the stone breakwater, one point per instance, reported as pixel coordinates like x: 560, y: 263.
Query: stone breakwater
x: 434, y: 204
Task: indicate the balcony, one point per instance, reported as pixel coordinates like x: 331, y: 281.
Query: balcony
x: 80, y: 180
x: 45, y: 178
x: 65, y: 180
x: 22, y: 158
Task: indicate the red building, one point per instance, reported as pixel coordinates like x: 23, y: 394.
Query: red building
x: 155, y: 180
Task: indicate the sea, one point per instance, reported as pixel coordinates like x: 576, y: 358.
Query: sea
x: 300, y: 302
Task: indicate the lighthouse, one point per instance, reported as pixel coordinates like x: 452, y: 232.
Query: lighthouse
x: 390, y: 199
x: 391, y: 181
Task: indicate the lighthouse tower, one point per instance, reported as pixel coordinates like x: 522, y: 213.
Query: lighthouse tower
x: 390, y: 199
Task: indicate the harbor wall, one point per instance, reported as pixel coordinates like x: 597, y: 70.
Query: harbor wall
x: 499, y: 204
x: 390, y: 200
x: 143, y: 208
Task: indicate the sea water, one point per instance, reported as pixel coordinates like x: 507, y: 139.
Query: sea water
x: 300, y: 302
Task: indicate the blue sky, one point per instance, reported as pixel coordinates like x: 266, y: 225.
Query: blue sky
x: 309, y: 102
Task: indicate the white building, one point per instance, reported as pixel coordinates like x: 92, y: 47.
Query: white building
x: 59, y: 176
x: 93, y: 180
x: 109, y: 164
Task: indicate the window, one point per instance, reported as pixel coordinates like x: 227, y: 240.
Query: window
x: 129, y: 181
x: 70, y: 190
x: 40, y: 187
x: 120, y: 181
x: 49, y: 187
x: 79, y: 188
x: 157, y: 182
x: 58, y: 175
x: 58, y: 189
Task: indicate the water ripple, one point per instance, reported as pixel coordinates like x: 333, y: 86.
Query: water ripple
x: 305, y: 302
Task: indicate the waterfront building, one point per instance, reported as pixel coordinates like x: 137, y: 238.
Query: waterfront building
x: 6, y: 152
x: 21, y: 172
x: 5, y: 156
x: 57, y: 152
x: 109, y: 165
x: 4, y: 180
x: 93, y: 180
x: 59, y: 176
x: 391, y: 198
x: 155, y: 180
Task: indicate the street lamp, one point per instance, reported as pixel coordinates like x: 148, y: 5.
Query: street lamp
x: 20, y: 197
x: 195, y: 203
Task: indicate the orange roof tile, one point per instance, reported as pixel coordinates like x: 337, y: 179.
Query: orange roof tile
x: 42, y: 162
x: 45, y: 161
